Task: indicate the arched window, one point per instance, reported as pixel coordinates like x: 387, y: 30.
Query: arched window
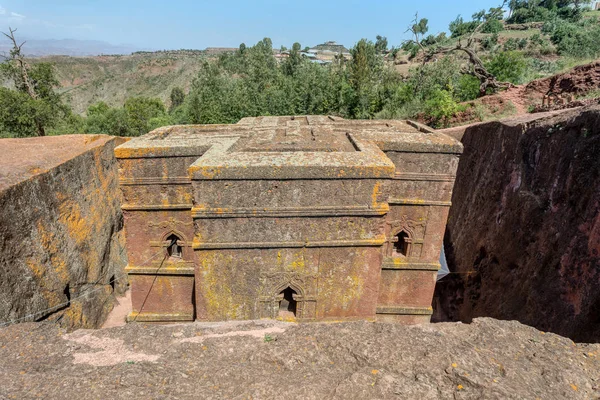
x: 174, y: 248
x: 401, y: 244
x: 288, y: 303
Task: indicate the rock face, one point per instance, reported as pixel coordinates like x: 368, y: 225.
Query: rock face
x: 487, y: 359
x: 579, y: 80
x: 523, y: 235
x: 60, y: 229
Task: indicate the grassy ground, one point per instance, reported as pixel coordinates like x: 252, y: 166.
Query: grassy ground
x: 591, y: 14
x: 513, y: 34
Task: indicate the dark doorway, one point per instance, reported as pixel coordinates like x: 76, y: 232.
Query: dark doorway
x: 288, y: 304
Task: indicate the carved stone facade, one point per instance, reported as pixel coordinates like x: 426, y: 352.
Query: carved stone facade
x: 312, y: 217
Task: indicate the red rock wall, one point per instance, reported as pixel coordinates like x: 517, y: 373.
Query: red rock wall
x: 523, y: 235
x: 60, y: 229
x: 579, y: 80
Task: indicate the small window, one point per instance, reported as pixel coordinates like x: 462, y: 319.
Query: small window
x: 288, y: 304
x: 174, y: 248
x: 401, y: 244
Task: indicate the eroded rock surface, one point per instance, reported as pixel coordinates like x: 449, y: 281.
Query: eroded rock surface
x: 60, y: 229
x: 523, y: 234
x: 579, y: 80
x: 264, y: 359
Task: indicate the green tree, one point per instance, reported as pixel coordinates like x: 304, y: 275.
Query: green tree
x: 381, y: 44
x: 194, y: 110
x: 138, y: 116
x: 22, y: 116
x: 139, y: 112
x: 291, y: 64
x: 459, y: 27
x: 102, y: 119
x: 362, y: 71
x: 177, y: 98
x: 522, y: 11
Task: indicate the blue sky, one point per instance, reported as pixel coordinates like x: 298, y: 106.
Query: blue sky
x: 198, y: 24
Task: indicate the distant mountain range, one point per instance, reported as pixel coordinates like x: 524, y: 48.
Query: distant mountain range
x: 68, y: 47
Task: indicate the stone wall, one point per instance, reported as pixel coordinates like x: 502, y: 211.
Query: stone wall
x: 523, y: 235
x: 60, y: 229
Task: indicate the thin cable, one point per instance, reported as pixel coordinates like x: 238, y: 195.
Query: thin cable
x: 6, y: 323
x: 173, y: 242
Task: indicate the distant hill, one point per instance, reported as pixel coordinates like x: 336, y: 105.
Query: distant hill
x: 330, y: 46
x: 68, y: 47
x: 112, y: 79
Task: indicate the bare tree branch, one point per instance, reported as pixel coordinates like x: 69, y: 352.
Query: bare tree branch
x: 416, y: 32
x: 475, y: 68
x: 17, y: 56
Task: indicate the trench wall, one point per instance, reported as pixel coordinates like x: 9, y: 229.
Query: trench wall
x: 523, y: 235
x: 60, y: 229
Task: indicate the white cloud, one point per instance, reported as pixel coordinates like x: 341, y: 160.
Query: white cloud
x: 15, y: 15
x: 2, y: 10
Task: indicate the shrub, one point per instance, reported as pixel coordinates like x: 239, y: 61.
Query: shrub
x: 492, y: 26
x: 468, y: 88
x: 522, y: 43
x: 536, y: 40
x: 490, y: 42
x: 579, y: 40
x: 511, y: 44
x: 508, y: 66
x: 441, y: 107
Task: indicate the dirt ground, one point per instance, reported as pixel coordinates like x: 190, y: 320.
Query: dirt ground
x: 522, y: 99
x: 488, y: 359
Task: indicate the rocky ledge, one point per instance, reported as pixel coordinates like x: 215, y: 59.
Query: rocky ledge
x: 487, y: 359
